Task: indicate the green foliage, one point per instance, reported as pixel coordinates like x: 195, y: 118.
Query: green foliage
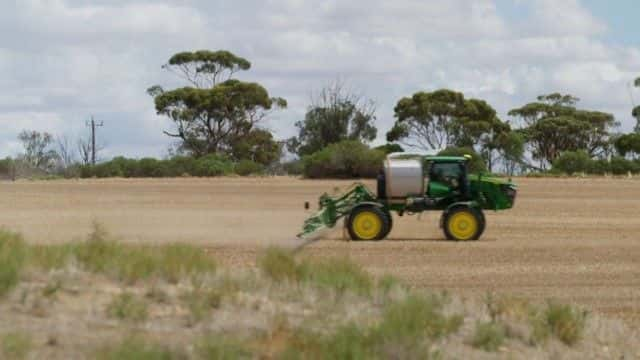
x: 434, y: 120
x: 13, y: 252
x: 488, y: 336
x: 248, y: 167
x: 564, y: 322
x: 340, y: 275
x: 200, y: 302
x: 628, y: 144
x: 5, y: 166
x: 258, y: 145
x: 15, y: 346
x: 136, y: 349
x: 404, y: 332
x: 389, y: 148
x: 215, y: 113
x: 571, y: 162
x: 476, y: 164
x: 218, y: 347
x: 335, y: 116
x: 127, y: 306
x: 294, y: 167
x: 554, y: 125
x: 347, y: 159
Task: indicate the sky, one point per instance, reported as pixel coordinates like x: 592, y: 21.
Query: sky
x: 62, y: 61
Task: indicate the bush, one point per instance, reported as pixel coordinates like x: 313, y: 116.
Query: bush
x: 248, y: 167
x: 622, y: 166
x: 476, y: 164
x: 294, y: 167
x: 212, y: 165
x: 13, y: 251
x: 571, y: 162
x: 127, y: 306
x: 5, y: 166
x: 565, y: 322
x: 346, y: 159
x: 134, y: 348
x: 488, y: 336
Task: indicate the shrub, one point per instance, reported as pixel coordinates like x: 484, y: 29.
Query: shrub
x: 488, y: 336
x: 248, y: 167
x: 212, y: 165
x: 476, y: 164
x: 5, y: 166
x: 200, y: 302
x: 127, y: 306
x: 571, y: 162
x: 622, y: 166
x: 134, y: 348
x: 13, y: 251
x: 565, y: 322
x: 279, y: 265
x: 15, y: 345
x: 221, y: 348
x: 294, y: 167
x: 346, y: 159
x: 340, y: 275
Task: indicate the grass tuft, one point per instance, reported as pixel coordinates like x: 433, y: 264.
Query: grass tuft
x: 16, y: 345
x: 127, y: 306
x: 217, y: 347
x: 201, y: 302
x: 488, y: 336
x: 13, y: 251
x: 279, y: 265
x: 134, y: 348
x: 565, y: 322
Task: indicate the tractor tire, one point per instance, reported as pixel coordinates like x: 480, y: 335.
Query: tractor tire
x: 390, y: 218
x: 368, y: 223
x: 463, y: 224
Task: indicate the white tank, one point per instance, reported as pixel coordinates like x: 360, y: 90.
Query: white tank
x: 404, y: 177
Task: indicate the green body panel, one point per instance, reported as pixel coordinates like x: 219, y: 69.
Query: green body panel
x: 485, y: 192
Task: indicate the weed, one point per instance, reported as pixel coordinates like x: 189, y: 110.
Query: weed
x: 127, y: 306
x: 338, y: 274
x: 200, y: 302
x: 13, y: 251
x: 217, y: 347
x: 279, y: 265
x: 52, y: 288
x: 51, y: 257
x: 565, y: 322
x: 16, y: 345
x: 134, y: 348
x: 157, y: 295
x: 488, y: 336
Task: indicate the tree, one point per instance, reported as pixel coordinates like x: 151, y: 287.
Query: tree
x: 258, y: 146
x: 214, y: 111
x: 636, y: 110
x: 628, y: 144
x: 37, y: 149
x: 553, y: 125
x: 336, y: 114
x: 66, y: 155
x: 444, y: 118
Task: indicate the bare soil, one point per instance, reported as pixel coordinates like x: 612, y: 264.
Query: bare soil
x: 575, y: 240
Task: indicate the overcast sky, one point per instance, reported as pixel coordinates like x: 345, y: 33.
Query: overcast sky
x: 63, y: 60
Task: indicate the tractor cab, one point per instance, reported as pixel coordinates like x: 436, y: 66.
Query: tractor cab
x: 446, y: 176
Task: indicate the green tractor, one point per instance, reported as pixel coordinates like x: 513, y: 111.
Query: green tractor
x: 410, y: 184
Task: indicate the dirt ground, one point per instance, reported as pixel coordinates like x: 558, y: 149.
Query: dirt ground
x: 575, y: 240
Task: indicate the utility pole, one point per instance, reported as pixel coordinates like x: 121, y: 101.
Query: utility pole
x: 93, y: 126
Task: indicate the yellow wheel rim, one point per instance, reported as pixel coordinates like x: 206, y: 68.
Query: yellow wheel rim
x: 463, y: 225
x: 367, y: 225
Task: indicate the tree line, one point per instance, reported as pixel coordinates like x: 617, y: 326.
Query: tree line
x: 218, y: 127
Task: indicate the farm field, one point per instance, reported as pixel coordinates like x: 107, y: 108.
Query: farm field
x: 575, y: 240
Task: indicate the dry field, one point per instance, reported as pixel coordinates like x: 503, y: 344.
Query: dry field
x: 576, y: 240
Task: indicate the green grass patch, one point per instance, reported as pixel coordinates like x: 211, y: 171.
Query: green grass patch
x: 13, y: 251
x: 219, y: 347
x: 201, y: 302
x: 126, y: 306
x: 488, y: 336
x: 565, y: 322
x: 16, y: 345
x: 340, y: 275
x: 137, y: 349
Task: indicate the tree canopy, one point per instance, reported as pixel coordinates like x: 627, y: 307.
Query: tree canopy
x: 553, y: 125
x: 336, y: 114
x: 214, y: 116
x: 436, y: 120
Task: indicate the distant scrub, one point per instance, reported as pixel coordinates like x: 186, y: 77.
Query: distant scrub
x: 210, y: 165
x: 572, y: 162
x: 346, y: 159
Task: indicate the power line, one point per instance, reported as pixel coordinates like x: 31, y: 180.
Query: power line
x: 93, y: 124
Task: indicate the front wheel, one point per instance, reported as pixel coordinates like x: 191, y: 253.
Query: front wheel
x: 463, y: 223
x: 368, y: 223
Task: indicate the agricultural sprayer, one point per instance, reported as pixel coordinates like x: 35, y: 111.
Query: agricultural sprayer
x: 411, y: 184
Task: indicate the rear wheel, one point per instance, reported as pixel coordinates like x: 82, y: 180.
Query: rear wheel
x: 368, y: 223
x: 463, y: 223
